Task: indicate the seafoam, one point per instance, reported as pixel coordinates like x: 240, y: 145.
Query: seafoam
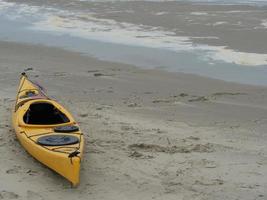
x: 87, y: 26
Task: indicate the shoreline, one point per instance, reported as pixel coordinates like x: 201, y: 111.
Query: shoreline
x: 149, y: 133
x: 176, y: 38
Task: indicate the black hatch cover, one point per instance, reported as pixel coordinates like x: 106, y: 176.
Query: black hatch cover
x: 66, y: 129
x: 57, y: 140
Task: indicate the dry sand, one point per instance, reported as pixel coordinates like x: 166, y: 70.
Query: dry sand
x: 149, y: 134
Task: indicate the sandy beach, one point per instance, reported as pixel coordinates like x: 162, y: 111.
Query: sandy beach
x: 171, y: 96
x: 149, y: 134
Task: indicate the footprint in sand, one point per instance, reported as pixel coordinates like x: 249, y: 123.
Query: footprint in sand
x: 199, y: 99
x: 28, y: 69
x: 4, y: 125
x: 14, y: 170
x: 8, y: 195
x: 133, y: 105
x: 127, y: 128
x: 60, y: 74
x: 101, y: 74
x: 83, y: 115
x: 200, y: 148
x: 212, y: 182
x: 135, y: 154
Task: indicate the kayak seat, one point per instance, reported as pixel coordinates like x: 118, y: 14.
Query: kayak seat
x: 43, y: 113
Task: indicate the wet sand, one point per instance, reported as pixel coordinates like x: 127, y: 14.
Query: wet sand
x: 149, y: 134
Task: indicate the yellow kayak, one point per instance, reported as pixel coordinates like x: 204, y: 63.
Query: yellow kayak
x: 47, y: 130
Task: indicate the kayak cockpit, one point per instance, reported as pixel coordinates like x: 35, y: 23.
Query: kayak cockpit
x: 44, y: 113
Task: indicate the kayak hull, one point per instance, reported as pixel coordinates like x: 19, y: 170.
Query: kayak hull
x: 63, y: 159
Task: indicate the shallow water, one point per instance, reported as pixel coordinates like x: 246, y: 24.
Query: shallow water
x: 83, y: 30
